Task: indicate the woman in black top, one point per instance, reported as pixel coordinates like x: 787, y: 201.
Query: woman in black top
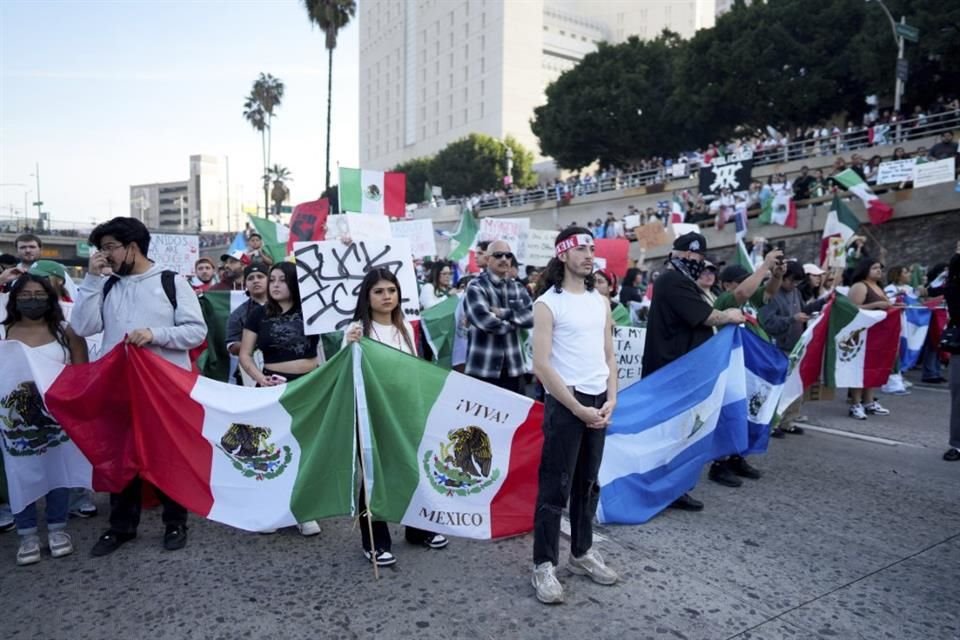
x: 277, y: 330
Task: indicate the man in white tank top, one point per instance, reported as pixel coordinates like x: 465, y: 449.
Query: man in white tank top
x: 573, y: 357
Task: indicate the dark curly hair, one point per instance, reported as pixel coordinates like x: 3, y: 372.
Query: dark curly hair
x: 125, y: 230
x: 552, y: 276
x: 52, y: 317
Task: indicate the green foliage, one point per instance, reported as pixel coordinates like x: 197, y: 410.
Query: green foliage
x: 330, y: 16
x: 469, y: 165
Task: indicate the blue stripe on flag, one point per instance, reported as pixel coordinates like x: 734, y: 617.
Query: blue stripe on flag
x: 239, y: 243
x: 669, y: 425
x: 766, y: 368
x: 913, y: 332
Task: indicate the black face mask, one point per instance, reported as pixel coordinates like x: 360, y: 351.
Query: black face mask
x: 125, y: 267
x: 33, y: 309
x: 694, y: 267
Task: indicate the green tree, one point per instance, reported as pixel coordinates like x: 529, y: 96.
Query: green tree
x: 258, y: 109
x: 418, y: 176
x: 330, y: 16
x: 279, y: 176
x: 477, y: 163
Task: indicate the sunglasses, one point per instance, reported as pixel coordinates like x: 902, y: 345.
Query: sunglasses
x: 502, y: 255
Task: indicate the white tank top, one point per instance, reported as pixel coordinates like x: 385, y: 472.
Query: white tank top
x: 579, y: 325
x: 53, y: 350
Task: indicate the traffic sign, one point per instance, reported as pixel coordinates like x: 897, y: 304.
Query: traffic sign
x: 907, y: 32
x: 903, y: 70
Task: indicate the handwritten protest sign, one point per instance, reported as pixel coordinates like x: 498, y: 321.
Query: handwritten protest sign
x: 330, y: 274
x: 628, y: 346
x: 895, y: 171
x: 653, y: 234
x: 540, y: 247
x: 836, y: 253
x: 513, y: 231
x: 928, y: 173
x: 175, y: 252
x: 420, y: 234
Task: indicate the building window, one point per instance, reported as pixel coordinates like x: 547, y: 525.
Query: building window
x: 466, y: 29
x: 481, y: 109
x: 483, y: 65
x: 464, y: 115
x: 450, y: 78
x: 451, y: 18
x: 483, y: 20
x: 466, y: 73
x: 450, y: 121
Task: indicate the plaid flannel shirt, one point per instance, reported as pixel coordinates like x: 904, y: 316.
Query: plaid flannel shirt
x: 494, y: 342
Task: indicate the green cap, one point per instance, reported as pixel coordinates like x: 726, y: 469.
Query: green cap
x: 47, y: 268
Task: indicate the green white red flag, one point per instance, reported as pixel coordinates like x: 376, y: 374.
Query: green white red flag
x: 841, y: 223
x: 781, y: 209
x: 861, y: 345
x: 878, y: 210
x: 806, y: 359
x: 365, y: 191
x: 275, y: 236
x: 217, y: 306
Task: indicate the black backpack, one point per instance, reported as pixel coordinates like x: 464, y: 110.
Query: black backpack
x: 167, y: 281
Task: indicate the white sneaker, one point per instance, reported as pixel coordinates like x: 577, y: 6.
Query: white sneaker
x: 591, y: 564
x: 875, y: 409
x: 7, y: 523
x: 549, y: 590
x: 309, y: 528
x: 382, y: 558
x: 60, y: 544
x: 29, y: 551
x: 436, y: 541
x: 856, y: 411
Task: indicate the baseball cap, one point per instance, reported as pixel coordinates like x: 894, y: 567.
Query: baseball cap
x: 236, y: 254
x: 691, y: 241
x: 255, y: 268
x: 813, y: 270
x: 734, y: 273
x: 47, y: 268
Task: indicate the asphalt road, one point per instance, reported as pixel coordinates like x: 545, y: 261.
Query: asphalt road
x: 842, y: 538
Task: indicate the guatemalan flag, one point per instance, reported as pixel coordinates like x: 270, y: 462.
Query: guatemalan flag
x: 660, y: 440
x: 913, y: 331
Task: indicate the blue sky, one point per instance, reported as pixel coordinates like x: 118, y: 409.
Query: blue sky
x: 108, y: 94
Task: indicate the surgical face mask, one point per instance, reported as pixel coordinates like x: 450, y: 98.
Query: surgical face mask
x: 694, y: 267
x: 32, y: 308
x: 125, y: 267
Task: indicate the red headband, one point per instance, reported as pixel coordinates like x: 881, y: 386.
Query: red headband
x: 579, y: 240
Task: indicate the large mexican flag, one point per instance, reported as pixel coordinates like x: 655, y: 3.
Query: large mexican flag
x: 365, y: 191
x: 861, y: 345
x: 806, y: 359
x: 275, y: 236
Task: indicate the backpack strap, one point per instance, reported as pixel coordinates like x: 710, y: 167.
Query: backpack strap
x: 167, y: 281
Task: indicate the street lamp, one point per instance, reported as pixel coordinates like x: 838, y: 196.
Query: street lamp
x: 26, y: 192
x: 898, y: 40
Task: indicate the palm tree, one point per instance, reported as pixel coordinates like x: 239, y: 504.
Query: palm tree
x: 258, y: 109
x: 330, y: 16
x: 280, y: 175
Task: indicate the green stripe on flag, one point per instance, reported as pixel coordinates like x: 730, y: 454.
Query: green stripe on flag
x: 274, y: 246
x: 464, y: 237
x: 350, y: 190
x: 621, y: 316
x: 322, y: 407
x: 215, y: 361
x: 440, y: 329
x: 398, y: 406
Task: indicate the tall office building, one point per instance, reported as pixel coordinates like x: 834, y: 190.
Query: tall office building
x: 433, y: 71
x: 199, y: 203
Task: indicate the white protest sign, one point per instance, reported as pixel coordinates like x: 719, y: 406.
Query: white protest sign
x: 928, y: 173
x: 681, y: 228
x: 540, y: 247
x: 513, y: 231
x: 628, y: 346
x: 420, y: 234
x: 330, y: 274
x: 631, y: 222
x: 836, y: 253
x: 175, y: 252
x: 895, y: 171
x: 599, y: 263
x: 359, y: 226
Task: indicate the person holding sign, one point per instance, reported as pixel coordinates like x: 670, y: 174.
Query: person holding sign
x: 276, y: 329
x: 573, y: 357
x: 378, y: 316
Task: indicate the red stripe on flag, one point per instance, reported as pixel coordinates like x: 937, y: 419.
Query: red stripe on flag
x: 395, y: 194
x: 883, y: 340
x: 811, y: 365
x: 511, y: 510
x: 879, y: 211
x: 168, y: 424
x: 94, y: 413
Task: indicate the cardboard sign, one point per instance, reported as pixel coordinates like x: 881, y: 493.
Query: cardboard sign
x: 420, y: 234
x: 615, y: 252
x: 175, y: 252
x: 513, y: 231
x: 895, y: 171
x: 540, y: 247
x: 330, y: 274
x: 836, y: 253
x: 628, y: 346
x: 928, y: 173
x: 653, y: 234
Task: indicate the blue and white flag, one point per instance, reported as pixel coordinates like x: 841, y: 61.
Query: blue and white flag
x: 661, y: 438
x: 766, y: 370
x: 239, y: 243
x: 915, y: 323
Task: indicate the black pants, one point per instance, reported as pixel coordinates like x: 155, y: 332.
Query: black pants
x: 510, y: 383
x: 125, y: 508
x: 381, y: 532
x: 568, y: 470
x: 289, y: 376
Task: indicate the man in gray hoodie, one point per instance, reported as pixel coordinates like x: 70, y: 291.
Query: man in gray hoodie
x: 131, y: 299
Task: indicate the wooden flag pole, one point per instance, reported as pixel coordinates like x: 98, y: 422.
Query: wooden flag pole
x: 363, y: 476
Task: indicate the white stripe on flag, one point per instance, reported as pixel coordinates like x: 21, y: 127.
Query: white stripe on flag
x: 372, y: 194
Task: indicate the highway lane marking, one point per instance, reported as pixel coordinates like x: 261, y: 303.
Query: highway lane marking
x: 859, y: 436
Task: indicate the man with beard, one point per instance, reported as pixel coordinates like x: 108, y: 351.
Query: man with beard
x: 232, y: 278
x: 132, y: 300
x: 205, y: 270
x: 680, y: 319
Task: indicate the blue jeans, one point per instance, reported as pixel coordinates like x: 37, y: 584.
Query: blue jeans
x: 931, y: 363
x: 58, y: 506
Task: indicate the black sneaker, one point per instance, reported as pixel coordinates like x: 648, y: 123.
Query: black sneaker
x: 793, y: 430
x: 777, y: 432
x: 720, y: 474
x: 740, y: 466
x: 109, y: 542
x: 687, y: 503
x: 175, y: 537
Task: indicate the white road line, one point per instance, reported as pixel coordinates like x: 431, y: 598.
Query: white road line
x: 943, y: 389
x: 859, y: 436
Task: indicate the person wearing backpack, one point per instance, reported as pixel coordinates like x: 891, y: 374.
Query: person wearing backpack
x: 132, y: 300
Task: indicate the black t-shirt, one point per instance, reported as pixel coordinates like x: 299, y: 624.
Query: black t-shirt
x: 281, y: 338
x: 675, y: 323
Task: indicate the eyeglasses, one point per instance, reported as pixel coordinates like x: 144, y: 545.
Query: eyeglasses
x: 502, y: 255
x: 111, y: 247
x: 32, y: 296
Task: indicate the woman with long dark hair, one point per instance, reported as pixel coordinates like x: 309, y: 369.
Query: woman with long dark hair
x: 866, y: 293
x: 378, y: 316
x: 34, y: 318
x: 276, y: 329
x: 439, y: 287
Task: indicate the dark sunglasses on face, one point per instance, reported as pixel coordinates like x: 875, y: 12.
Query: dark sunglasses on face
x: 502, y: 255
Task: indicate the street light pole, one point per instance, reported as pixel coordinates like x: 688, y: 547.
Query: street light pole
x: 898, y: 41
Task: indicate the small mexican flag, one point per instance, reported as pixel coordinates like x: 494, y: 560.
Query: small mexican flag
x: 678, y: 213
x: 275, y: 236
x: 363, y: 191
x: 448, y: 454
x: 462, y: 241
x: 878, y: 210
x: 841, y: 223
x: 861, y: 345
x: 806, y: 359
x: 440, y: 329
x: 743, y: 256
x: 781, y: 209
x: 217, y: 306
